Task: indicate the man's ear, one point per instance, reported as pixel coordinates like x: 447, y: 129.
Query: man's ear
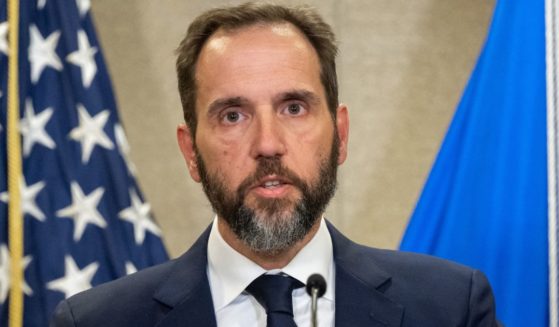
x: 186, y: 144
x: 342, y: 124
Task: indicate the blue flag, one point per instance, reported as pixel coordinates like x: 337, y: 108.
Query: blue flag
x: 485, y: 201
x: 85, y: 221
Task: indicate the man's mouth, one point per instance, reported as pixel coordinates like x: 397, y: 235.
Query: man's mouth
x: 272, y: 186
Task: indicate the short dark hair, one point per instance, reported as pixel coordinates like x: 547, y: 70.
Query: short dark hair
x: 306, y: 19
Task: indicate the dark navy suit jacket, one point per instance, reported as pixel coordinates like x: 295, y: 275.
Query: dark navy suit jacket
x: 373, y: 288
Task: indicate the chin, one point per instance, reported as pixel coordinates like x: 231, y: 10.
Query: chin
x: 276, y: 208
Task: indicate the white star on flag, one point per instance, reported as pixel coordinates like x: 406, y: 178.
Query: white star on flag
x: 138, y: 215
x: 83, y: 6
x: 124, y: 148
x: 42, y: 52
x: 5, y: 279
x: 32, y: 128
x: 41, y: 4
x: 84, y: 58
x: 75, y: 279
x: 83, y: 209
x: 4, y: 37
x: 130, y: 268
x: 28, y: 195
x: 90, y: 131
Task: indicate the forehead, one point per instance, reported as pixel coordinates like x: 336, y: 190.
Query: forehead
x: 260, y: 38
x: 282, y: 32
x: 256, y: 55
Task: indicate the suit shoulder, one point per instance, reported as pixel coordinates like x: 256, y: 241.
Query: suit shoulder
x: 144, y: 281
x: 130, y: 296
x: 441, y: 279
x: 422, y: 270
x: 395, y: 263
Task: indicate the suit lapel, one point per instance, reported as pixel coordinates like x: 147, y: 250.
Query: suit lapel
x: 360, y: 285
x: 186, y: 293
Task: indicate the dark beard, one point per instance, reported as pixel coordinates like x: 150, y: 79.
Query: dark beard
x: 274, y: 225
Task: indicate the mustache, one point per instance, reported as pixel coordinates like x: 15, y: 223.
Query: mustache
x: 270, y: 166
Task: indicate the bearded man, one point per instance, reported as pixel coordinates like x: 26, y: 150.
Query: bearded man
x: 264, y: 134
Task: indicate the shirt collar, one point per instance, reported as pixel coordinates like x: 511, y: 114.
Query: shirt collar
x: 315, y: 258
x: 229, y: 272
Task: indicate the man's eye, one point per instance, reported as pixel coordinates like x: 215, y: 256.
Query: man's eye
x: 294, y: 109
x: 232, y: 117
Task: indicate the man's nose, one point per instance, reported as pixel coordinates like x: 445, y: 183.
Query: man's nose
x: 269, y: 137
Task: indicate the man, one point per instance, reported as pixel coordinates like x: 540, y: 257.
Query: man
x: 264, y: 134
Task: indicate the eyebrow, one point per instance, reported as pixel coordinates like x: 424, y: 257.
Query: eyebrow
x: 303, y: 95
x: 226, y: 102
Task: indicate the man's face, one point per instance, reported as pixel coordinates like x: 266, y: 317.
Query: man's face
x: 266, y: 148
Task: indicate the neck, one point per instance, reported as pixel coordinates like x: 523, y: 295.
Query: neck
x: 268, y: 261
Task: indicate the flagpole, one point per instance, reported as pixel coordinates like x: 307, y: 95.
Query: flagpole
x: 552, y: 75
x: 15, y: 219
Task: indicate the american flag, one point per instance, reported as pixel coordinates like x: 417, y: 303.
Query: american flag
x: 85, y: 220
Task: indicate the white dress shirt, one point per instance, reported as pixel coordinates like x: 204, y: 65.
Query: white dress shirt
x: 229, y: 273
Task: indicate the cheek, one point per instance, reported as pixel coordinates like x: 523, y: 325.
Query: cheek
x: 225, y: 159
x: 310, y: 151
x: 213, y: 148
x: 318, y: 140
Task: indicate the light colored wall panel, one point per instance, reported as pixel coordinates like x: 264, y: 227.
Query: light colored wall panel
x: 402, y: 68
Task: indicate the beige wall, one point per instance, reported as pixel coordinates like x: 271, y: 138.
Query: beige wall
x: 402, y: 68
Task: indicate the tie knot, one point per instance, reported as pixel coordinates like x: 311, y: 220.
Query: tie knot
x: 273, y: 292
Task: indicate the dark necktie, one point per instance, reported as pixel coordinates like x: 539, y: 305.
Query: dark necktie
x: 273, y: 292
